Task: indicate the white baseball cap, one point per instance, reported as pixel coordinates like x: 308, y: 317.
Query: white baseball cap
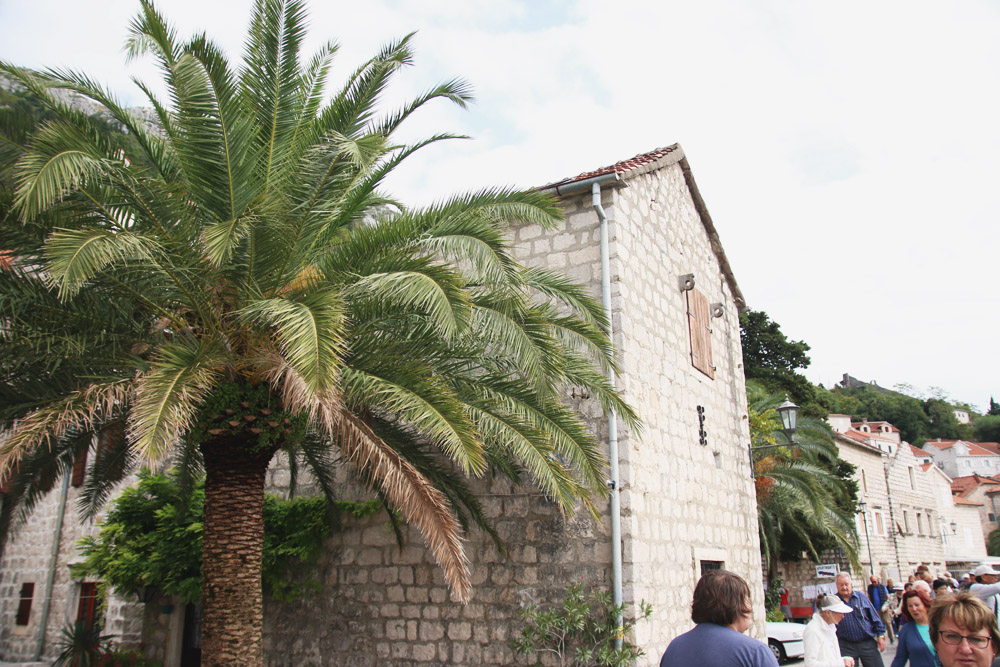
x: 984, y: 569
x: 833, y: 603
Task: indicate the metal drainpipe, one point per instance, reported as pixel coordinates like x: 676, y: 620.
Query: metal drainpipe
x: 594, y: 185
x: 616, y: 524
x: 46, y: 605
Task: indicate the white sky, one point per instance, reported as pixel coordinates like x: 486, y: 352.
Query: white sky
x: 848, y: 151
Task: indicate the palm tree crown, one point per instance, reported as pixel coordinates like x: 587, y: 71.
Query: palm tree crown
x: 232, y: 283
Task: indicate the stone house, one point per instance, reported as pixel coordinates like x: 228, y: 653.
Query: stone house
x: 960, y: 458
x: 684, y: 486
x: 983, y: 491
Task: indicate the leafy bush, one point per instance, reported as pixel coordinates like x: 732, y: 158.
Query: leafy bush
x: 582, y: 630
x: 152, y: 538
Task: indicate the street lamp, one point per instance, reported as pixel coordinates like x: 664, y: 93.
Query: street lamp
x: 863, y: 508
x: 789, y: 413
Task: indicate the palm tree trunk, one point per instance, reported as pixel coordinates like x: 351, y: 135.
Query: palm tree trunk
x: 232, y: 605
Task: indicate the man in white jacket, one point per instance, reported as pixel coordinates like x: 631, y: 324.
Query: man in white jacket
x: 820, y: 636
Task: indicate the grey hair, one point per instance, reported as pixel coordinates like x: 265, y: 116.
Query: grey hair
x: 844, y: 575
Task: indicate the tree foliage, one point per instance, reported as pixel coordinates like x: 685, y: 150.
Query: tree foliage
x: 987, y: 428
x: 235, y: 282
x: 806, y: 497
x: 772, y: 360
x: 151, y: 538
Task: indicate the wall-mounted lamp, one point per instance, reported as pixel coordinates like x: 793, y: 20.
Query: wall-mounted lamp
x: 789, y: 413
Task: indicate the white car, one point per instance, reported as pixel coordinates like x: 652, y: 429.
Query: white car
x: 785, y: 640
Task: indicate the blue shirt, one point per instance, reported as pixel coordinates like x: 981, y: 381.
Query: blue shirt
x: 862, y: 623
x: 711, y: 645
x: 913, y: 647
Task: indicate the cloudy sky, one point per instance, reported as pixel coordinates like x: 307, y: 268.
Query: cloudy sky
x: 848, y: 152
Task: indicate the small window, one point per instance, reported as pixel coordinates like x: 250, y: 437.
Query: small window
x: 879, y: 524
x: 913, y: 478
x: 86, y: 610
x: 24, y: 607
x: 700, y: 329
x: 992, y: 516
x: 709, y: 565
x: 80, y: 468
x: 864, y: 481
x: 920, y: 523
x: 906, y: 522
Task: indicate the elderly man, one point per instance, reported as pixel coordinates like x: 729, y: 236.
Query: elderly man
x: 987, y: 587
x: 861, y: 634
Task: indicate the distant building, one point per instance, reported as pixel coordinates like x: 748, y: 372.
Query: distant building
x: 960, y: 458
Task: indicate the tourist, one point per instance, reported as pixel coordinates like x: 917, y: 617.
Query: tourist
x: 722, y: 612
x: 862, y: 633
x: 915, y: 644
x: 964, y: 631
x: 820, y: 636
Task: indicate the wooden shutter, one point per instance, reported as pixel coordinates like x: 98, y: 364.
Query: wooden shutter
x: 87, y: 609
x: 80, y: 468
x: 24, y: 607
x: 699, y: 326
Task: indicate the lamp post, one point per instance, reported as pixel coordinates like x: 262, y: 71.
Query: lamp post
x: 863, y: 507
x: 789, y: 413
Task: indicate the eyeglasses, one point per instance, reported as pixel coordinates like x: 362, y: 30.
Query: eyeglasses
x: 955, y: 639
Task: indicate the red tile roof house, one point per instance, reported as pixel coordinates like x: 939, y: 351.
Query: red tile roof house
x: 982, y: 490
x: 684, y: 485
x: 687, y: 500
x: 959, y: 458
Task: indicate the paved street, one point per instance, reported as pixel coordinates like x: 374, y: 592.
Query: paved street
x: 887, y: 657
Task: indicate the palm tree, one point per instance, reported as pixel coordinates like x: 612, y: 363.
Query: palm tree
x: 233, y: 283
x: 799, y: 498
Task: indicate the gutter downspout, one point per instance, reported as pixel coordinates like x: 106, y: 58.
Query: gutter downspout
x: 616, y: 524
x: 594, y: 185
x: 52, y: 568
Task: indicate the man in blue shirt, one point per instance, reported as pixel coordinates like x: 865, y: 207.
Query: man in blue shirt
x: 861, y: 634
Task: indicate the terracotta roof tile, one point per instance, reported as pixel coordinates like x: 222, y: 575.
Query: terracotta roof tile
x: 919, y: 452
x: 963, y: 501
x: 621, y: 167
x: 942, y: 444
x: 879, y: 424
x: 926, y: 466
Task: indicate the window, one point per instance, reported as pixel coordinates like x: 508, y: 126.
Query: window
x: 906, y: 522
x: 24, y: 607
x: 920, y: 523
x: 86, y: 610
x: 709, y: 565
x: 991, y: 516
x: 864, y: 481
x: 913, y: 478
x: 80, y: 468
x: 879, y: 523
x: 699, y: 326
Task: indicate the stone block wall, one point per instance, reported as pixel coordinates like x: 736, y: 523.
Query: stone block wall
x: 381, y: 604
x: 27, y: 557
x: 914, y: 493
x: 682, y: 503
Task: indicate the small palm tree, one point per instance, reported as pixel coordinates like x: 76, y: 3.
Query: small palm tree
x: 233, y: 283
x: 798, y: 495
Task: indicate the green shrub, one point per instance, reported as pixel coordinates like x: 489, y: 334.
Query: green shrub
x: 581, y: 630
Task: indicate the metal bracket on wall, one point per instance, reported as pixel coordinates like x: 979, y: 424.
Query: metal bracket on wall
x: 702, y: 435
x: 686, y: 282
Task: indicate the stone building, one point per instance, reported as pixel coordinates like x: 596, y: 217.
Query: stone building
x: 960, y: 458
x: 910, y: 515
x: 684, y: 485
x: 38, y: 595
x: 983, y: 491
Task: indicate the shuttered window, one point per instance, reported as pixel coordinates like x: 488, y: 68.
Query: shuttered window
x: 699, y: 325
x: 86, y: 611
x: 80, y: 468
x: 24, y: 606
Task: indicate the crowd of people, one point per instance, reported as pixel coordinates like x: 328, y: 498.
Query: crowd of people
x: 936, y: 622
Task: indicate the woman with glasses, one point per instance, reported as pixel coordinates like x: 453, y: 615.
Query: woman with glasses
x: 914, y: 636
x: 963, y: 631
